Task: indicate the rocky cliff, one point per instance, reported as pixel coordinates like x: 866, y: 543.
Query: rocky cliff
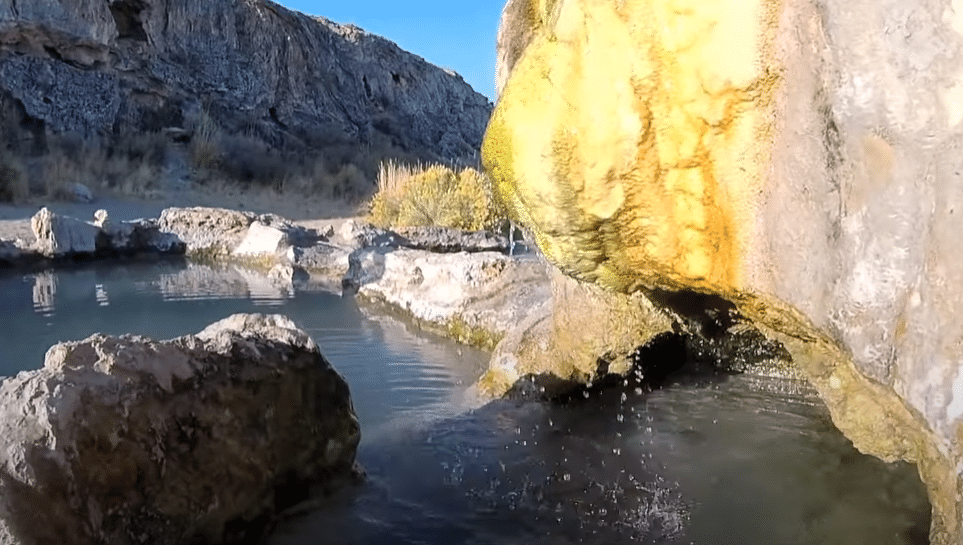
x: 96, y: 67
x: 796, y: 162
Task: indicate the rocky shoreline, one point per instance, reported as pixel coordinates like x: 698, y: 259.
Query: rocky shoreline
x: 459, y: 284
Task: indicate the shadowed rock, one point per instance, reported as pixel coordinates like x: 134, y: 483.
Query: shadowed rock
x: 127, y: 440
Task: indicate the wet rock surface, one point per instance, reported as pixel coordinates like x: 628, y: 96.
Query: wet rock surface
x: 203, y: 437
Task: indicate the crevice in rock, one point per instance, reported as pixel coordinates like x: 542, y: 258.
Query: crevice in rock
x: 128, y: 18
x: 717, y: 332
x: 367, y: 87
x: 711, y: 339
x: 273, y: 112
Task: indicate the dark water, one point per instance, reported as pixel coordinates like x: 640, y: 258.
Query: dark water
x: 738, y: 460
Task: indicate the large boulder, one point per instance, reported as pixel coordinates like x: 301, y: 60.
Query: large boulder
x: 59, y: 236
x: 290, y: 80
x: 797, y: 159
x: 127, y: 440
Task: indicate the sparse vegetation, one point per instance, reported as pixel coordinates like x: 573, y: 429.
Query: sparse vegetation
x: 434, y: 195
x: 132, y: 165
x: 13, y: 180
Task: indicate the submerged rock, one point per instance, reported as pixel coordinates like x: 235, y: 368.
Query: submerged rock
x: 127, y: 440
x: 799, y: 160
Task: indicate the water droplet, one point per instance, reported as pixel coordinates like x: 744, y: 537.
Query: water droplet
x: 567, y: 477
x: 617, y: 451
x: 620, y: 417
x: 624, y: 397
x: 586, y: 394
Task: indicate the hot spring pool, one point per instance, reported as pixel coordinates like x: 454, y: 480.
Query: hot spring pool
x: 738, y: 460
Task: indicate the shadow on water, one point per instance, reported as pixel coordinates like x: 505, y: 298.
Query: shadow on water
x: 721, y: 459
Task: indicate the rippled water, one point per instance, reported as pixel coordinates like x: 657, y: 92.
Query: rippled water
x: 725, y: 460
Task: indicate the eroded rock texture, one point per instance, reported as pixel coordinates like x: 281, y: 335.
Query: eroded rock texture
x: 799, y: 159
x: 296, y: 82
x: 197, y: 439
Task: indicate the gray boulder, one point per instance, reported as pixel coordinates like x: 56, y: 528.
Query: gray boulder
x: 78, y: 192
x: 59, y: 236
x: 289, y: 80
x: 209, y: 231
x: 127, y: 440
x: 474, y: 298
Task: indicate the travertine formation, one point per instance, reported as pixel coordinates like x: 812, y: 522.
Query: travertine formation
x: 93, y: 67
x: 127, y: 440
x: 799, y: 159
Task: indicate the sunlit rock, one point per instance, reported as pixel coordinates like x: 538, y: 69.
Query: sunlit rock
x: 475, y: 298
x: 59, y: 236
x: 201, y: 438
x: 798, y: 159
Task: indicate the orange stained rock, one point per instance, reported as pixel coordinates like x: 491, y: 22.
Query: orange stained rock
x: 632, y: 137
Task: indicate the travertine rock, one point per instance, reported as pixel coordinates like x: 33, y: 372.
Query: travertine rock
x: 63, y: 236
x: 799, y: 159
x: 127, y: 440
x: 474, y: 298
x: 58, y: 236
x: 295, y: 82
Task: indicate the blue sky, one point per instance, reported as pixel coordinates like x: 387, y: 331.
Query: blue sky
x: 456, y: 34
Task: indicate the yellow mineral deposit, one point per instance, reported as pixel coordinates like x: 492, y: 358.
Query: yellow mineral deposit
x: 685, y: 89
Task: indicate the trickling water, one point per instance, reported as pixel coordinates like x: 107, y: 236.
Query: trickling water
x: 738, y: 459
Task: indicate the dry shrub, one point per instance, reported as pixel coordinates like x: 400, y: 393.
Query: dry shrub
x: 204, y: 149
x: 14, y: 185
x: 434, y: 195
x: 133, y: 168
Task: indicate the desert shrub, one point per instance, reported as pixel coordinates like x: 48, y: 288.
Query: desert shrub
x: 204, y: 151
x: 14, y: 185
x: 246, y: 159
x: 434, y: 195
x: 133, y: 168
x: 141, y: 147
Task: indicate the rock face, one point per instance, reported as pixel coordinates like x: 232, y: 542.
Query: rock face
x: 290, y: 80
x: 129, y: 440
x: 799, y: 160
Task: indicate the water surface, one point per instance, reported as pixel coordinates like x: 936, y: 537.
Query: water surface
x: 728, y: 460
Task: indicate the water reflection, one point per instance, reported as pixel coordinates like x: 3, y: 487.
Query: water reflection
x: 228, y: 282
x: 44, y: 293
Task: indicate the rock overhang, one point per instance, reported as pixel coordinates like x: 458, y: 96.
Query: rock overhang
x: 795, y: 182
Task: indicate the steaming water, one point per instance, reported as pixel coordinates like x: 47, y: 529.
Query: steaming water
x: 727, y: 460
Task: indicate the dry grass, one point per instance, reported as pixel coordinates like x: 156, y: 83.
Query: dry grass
x: 14, y: 185
x: 134, y: 170
x: 204, y: 149
x: 434, y: 195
